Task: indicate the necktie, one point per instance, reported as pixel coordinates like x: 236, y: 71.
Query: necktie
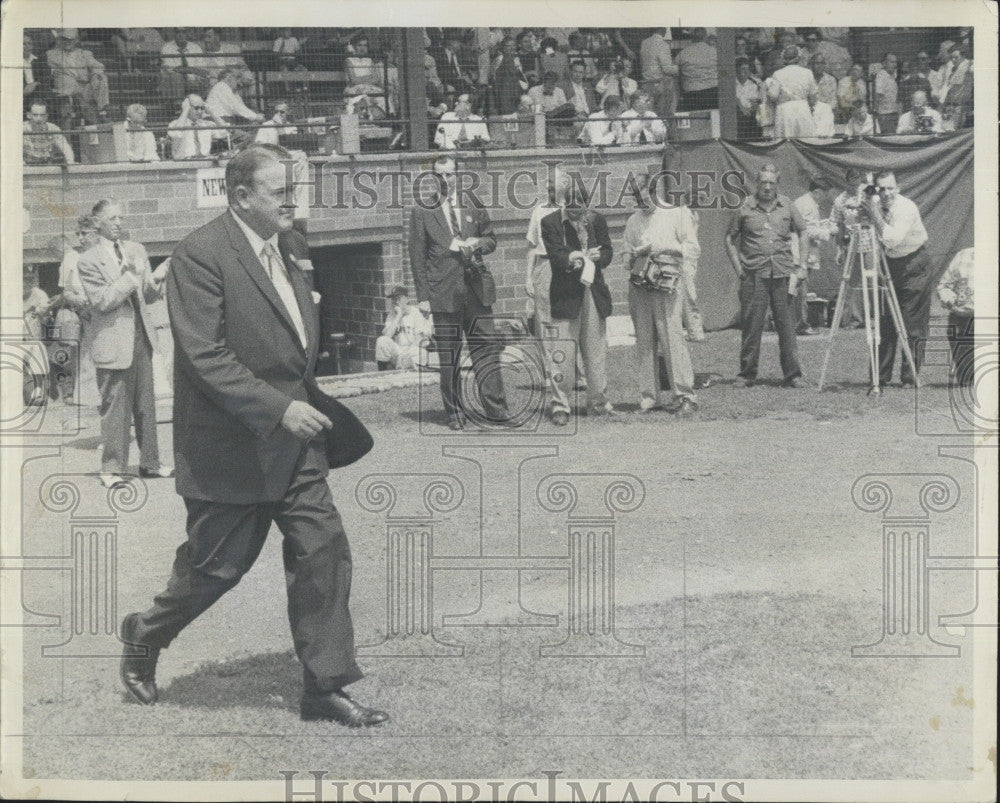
x: 275, y: 267
x: 462, y: 136
x: 184, y: 61
x: 456, y: 221
x: 197, y: 142
x: 118, y: 253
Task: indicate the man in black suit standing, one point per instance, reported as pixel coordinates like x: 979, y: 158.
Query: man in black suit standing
x: 448, y: 239
x: 248, y: 440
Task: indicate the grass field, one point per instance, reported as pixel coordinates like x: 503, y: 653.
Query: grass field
x: 746, y: 575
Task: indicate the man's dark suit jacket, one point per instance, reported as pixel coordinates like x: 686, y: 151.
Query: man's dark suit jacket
x: 238, y: 365
x: 588, y: 91
x: 438, y: 275
x: 565, y: 290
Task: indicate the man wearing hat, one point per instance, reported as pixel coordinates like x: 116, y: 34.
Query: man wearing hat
x: 407, y: 330
x: 77, y: 78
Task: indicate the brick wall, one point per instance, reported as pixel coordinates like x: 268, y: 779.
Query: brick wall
x: 159, y: 205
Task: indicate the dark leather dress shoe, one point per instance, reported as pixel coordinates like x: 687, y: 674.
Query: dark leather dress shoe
x: 138, y: 673
x: 338, y: 707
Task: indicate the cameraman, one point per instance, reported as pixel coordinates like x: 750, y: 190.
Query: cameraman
x: 920, y: 119
x: 901, y: 230
x: 616, y: 82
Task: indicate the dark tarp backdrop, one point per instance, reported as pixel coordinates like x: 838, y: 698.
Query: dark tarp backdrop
x: 935, y: 173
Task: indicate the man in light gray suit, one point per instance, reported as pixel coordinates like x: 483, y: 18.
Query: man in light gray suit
x: 119, y: 284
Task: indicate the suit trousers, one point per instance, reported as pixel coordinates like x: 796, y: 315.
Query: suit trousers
x: 474, y: 324
x: 126, y: 395
x: 756, y: 294
x: 545, y: 330
x: 961, y: 339
x: 656, y: 316
x: 589, y: 332
x: 911, y: 276
x: 223, y: 542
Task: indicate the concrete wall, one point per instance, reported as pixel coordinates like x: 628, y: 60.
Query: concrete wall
x: 160, y: 209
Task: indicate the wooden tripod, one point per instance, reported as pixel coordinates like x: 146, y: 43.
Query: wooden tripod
x: 867, y: 250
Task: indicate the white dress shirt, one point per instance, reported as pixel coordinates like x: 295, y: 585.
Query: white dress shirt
x: 904, y: 231
x: 579, y: 99
x: 275, y: 268
x: 634, y: 127
x: 601, y: 130
x: 141, y: 145
x: 450, y: 133
x: 192, y: 143
x: 908, y: 123
x: 224, y: 102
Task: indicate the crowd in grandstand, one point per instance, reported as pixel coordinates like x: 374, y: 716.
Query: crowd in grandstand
x: 187, y: 93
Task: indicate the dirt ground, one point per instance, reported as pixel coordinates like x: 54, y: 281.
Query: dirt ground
x: 745, y: 573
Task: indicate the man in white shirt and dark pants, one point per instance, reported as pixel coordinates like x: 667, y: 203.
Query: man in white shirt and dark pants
x: 904, y: 238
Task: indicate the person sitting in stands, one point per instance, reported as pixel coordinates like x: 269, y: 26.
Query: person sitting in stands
x: 132, y: 42
x: 861, y: 124
x: 550, y: 98
x: 141, y: 141
x: 405, y: 336
x: 288, y: 48
x: 180, y: 67
x: 271, y: 130
x: 921, y: 118
x: 219, y: 56
x: 44, y: 143
x: 364, y: 74
x: 77, y: 79
x: 461, y: 126
x: 604, y: 127
x: 224, y: 101
x: 191, y: 134
x: 642, y: 126
x: 579, y: 90
x: 850, y: 90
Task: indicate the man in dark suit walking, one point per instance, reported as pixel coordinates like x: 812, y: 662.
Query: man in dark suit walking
x: 447, y: 243
x: 248, y: 440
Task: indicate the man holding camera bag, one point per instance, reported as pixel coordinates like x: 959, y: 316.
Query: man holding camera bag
x: 660, y: 243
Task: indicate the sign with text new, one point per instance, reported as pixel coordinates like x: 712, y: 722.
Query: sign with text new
x: 211, y: 187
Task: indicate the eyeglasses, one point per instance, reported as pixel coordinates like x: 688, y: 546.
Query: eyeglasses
x: 281, y: 111
x: 199, y: 108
